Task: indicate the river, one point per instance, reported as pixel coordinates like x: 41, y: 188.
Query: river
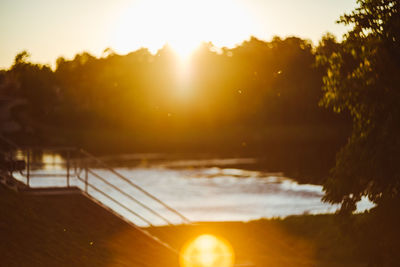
x: 203, y: 190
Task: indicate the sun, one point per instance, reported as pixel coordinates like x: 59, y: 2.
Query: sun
x: 207, y: 251
x: 183, y: 24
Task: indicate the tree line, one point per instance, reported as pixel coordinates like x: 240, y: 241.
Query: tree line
x: 255, y: 84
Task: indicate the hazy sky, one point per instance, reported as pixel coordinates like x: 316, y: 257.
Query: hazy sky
x: 52, y: 28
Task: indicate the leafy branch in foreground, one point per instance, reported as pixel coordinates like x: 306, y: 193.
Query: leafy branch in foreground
x: 363, y: 78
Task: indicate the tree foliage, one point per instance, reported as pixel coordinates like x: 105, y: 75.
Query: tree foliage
x: 363, y: 79
x: 253, y: 84
x: 259, y: 98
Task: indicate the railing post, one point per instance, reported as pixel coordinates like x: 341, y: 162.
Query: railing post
x: 86, y: 177
x: 28, y: 166
x: 67, y: 168
x: 75, y: 164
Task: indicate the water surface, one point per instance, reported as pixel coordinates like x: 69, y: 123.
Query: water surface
x: 202, y: 192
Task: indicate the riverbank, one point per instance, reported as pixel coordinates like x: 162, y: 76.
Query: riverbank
x: 71, y: 230
x: 305, y: 152
x: 294, y: 241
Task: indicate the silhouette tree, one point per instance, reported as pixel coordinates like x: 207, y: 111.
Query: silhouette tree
x: 261, y: 94
x: 363, y: 78
x: 34, y: 85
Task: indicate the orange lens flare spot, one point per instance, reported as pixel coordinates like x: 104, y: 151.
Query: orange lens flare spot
x: 207, y: 251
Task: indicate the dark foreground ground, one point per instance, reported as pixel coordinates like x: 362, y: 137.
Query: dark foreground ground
x: 71, y: 230
x: 294, y: 241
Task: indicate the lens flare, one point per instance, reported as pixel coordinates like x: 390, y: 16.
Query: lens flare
x: 183, y: 24
x: 207, y: 251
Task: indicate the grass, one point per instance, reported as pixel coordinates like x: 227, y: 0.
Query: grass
x: 71, y: 230
x: 305, y: 240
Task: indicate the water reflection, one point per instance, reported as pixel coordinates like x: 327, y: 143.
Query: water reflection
x: 52, y: 161
x: 202, y: 193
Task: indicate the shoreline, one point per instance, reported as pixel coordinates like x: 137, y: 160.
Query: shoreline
x: 42, y: 228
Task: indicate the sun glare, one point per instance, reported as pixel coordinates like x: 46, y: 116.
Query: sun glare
x: 183, y: 24
x: 207, y: 251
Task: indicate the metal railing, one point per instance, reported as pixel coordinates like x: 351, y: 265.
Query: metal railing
x: 81, y: 165
x: 132, y: 184
x: 76, y: 162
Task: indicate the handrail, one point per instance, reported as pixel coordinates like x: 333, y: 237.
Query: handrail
x: 136, y: 186
x: 46, y: 175
x: 77, y: 172
x: 116, y: 201
x: 143, y: 231
x: 102, y: 163
x: 130, y: 197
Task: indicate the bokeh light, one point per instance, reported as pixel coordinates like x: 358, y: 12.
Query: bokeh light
x: 207, y: 251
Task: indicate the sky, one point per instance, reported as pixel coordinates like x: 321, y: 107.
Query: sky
x: 48, y: 29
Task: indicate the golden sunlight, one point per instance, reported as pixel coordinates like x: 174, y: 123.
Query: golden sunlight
x: 183, y: 24
x: 207, y: 251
